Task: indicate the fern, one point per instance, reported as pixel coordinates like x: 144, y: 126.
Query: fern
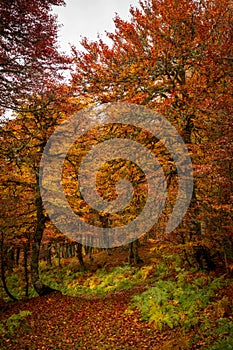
x: 179, y: 302
x: 9, y: 326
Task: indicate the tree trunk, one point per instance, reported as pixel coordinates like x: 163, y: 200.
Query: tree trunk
x: 63, y: 250
x: 80, y: 256
x: 25, y: 263
x: 17, y: 256
x: 130, y: 256
x: 133, y: 257
x: 70, y: 250
x: 88, y: 251
x: 136, y: 258
x: 40, y: 288
x: 11, y: 259
x: 58, y: 253
x: 3, y: 277
x: 48, y: 254
x: 195, y: 224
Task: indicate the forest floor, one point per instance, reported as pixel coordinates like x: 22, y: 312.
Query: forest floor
x: 95, y: 321
x: 62, y: 322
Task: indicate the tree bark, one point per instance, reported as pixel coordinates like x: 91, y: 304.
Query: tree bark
x: 3, y: 277
x: 40, y: 288
x: 11, y: 259
x: 130, y: 255
x: 58, y: 253
x: 25, y: 262
x: 133, y: 256
x: 80, y: 256
x: 17, y: 256
x: 48, y: 254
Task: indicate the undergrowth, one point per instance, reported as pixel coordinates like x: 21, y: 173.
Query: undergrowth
x: 102, y: 282
x: 176, y: 296
x: 189, y: 303
x: 10, y: 325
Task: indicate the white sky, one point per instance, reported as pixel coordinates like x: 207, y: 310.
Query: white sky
x: 88, y: 18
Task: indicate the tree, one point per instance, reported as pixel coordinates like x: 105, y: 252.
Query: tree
x: 29, y: 54
x: 23, y: 141
x: 175, y: 58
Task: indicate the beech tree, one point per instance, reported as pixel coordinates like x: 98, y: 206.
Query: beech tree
x: 176, y: 58
x: 30, y: 69
x: 28, y: 50
x: 24, y: 139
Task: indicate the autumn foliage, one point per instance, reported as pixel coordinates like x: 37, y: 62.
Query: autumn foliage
x: 176, y: 58
x: 172, y: 57
x: 28, y: 50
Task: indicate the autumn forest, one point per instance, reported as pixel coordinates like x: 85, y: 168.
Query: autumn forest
x: 154, y: 289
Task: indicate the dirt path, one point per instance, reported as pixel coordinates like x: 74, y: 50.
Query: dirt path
x: 60, y: 322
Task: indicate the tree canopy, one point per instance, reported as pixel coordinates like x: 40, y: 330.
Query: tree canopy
x: 28, y: 49
x: 171, y: 57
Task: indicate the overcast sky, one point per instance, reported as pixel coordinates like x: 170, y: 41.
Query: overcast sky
x: 87, y: 18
